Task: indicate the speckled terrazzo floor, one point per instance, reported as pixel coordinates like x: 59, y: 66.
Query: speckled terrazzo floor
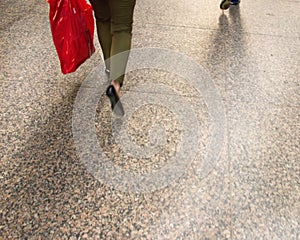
x: 252, y: 191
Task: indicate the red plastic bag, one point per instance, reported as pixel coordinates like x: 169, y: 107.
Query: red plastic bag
x: 72, y: 27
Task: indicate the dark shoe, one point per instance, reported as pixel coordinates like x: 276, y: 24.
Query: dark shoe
x: 115, y: 102
x: 225, y: 4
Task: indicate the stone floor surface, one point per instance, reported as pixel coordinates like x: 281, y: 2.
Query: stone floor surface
x: 209, y: 147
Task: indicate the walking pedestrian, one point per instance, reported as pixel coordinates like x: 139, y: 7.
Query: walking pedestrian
x: 114, y: 19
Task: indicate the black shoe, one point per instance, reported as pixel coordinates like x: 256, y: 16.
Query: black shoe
x: 225, y: 4
x: 116, y: 104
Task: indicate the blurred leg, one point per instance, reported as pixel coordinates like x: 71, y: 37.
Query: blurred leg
x: 103, y: 19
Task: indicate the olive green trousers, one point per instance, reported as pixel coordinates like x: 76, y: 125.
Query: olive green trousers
x: 114, y: 20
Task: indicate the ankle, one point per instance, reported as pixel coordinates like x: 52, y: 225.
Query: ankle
x: 116, y: 86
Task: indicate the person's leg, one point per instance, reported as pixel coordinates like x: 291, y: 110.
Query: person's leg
x: 121, y: 29
x: 103, y: 19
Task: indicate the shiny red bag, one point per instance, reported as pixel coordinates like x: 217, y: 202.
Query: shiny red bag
x: 72, y: 27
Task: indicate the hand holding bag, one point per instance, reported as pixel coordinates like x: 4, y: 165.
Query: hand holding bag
x: 72, y: 27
